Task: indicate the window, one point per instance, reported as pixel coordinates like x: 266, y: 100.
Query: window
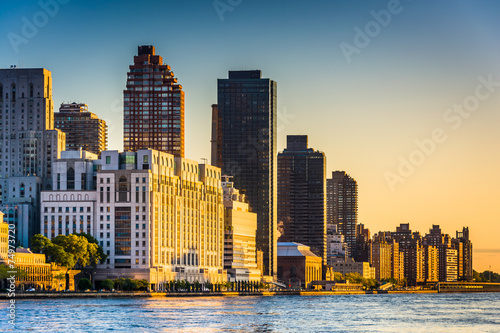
x: 108, y: 159
x: 123, y: 189
x: 71, y: 179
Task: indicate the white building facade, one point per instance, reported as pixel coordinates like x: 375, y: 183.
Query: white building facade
x: 158, y: 217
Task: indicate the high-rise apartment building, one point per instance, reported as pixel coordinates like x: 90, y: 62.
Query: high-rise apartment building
x: 410, y: 245
x: 84, y: 130
x: 431, y: 264
x: 447, y: 260
x: 363, y: 248
x: 302, y: 195
x: 342, y: 207
x: 246, y: 137
x: 381, y: 257
x: 28, y: 146
x: 153, y: 106
x: 464, y: 247
x: 157, y: 217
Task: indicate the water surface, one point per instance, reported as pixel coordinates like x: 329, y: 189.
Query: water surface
x: 472, y: 312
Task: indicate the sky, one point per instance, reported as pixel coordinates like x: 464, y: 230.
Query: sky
x: 402, y: 95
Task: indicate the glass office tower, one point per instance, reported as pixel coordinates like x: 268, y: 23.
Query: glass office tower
x: 245, y: 143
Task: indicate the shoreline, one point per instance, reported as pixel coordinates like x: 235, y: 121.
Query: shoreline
x: 221, y: 294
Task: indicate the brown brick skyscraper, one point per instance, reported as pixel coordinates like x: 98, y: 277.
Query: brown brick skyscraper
x: 153, y: 106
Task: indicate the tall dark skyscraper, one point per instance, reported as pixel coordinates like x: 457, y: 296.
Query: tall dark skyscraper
x: 153, y: 106
x: 342, y: 207
x: 302, y: 195
x: 245, y: 140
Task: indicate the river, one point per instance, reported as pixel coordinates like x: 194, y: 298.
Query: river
x: 460, y: 312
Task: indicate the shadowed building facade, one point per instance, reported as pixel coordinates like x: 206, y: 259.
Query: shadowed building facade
x: 29, y: 145
x: 153, y: 106
x: 245, y: 138
x: 302, y: 195
x: 342, y: 207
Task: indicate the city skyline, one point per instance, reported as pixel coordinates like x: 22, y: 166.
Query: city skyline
x: 423, y: 77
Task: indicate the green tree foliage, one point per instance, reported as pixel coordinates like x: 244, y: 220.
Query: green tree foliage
x: 39, y: 243
x: 354, y: 278
x: 119, y: 283
x: 69, y: 251
x: 56, y: 254
x: 60, y: 277
x: 129, y: 284
x: 337, y: 276
x: 84, y: 284
x: 107, y: 284
x: 357, y: 278
x: 75, y: 245
x: 4, y: 272
x: 485, y: 276
x: 96, y: 252
x: 143, y: 285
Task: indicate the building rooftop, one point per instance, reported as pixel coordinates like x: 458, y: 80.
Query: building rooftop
x: 23, y: 250
x: 291, y: 249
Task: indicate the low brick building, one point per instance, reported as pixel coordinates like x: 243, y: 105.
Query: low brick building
x: 297, y: 265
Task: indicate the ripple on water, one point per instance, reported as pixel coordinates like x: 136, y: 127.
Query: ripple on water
x: 362, y: 313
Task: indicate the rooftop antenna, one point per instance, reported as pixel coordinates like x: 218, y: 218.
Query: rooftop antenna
x: 204, y: 160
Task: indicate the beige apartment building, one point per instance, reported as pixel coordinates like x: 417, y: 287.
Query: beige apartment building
x: 157, y: 217
x: 240, y: 228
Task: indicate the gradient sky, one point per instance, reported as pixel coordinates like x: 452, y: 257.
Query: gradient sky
x: 364, y: 114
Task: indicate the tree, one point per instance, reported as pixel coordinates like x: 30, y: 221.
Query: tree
x: 75, y: 245
x: 337, y: 276
x: 486, y: 276
x: 119, y: 283
x: 97, y: 255
x: 39, y: 243
x: 143, y: 285
x: 354, y: 278
x: 56, y: 254
x: 84, y: 284
x: 5, y: 272
x: 130, y: 285
x: 107, y: 284
x: 59, y: 277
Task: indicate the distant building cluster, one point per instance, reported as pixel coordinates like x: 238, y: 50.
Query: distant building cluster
x: 253, y: 215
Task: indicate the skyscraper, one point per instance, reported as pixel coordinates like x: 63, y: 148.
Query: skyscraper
x: 153, y: 106
x: 247, y: 142
x: 342, y: 207
x: 83, y: 128
x: 302, y: 195
x: 28, y: 146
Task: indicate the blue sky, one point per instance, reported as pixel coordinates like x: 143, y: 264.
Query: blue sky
x: 364, y: 114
